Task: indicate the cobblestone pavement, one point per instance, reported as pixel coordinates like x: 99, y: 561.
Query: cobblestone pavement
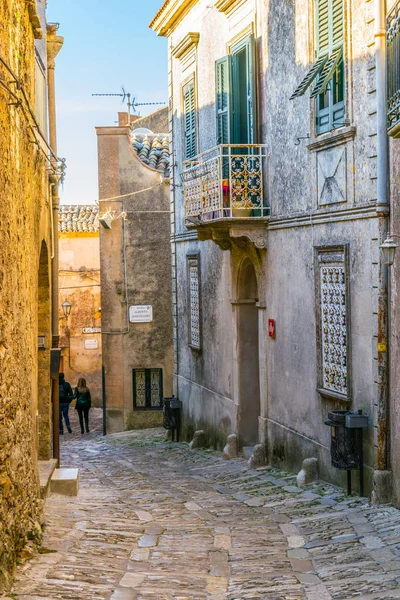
x: 156, y: 521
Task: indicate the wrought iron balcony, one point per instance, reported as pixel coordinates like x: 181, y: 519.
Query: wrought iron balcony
x: 393, y: 70
x: 226, y: 182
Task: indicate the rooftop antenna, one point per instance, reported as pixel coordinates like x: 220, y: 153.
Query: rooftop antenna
x: 131, y: 105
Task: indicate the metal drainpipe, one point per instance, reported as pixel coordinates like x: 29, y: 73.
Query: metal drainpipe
x: 54, y: 44
x: 383, y: 217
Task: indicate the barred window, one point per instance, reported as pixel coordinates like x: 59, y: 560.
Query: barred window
x: 333, y: 325
x: 147, y: 389
x: 194, y: 301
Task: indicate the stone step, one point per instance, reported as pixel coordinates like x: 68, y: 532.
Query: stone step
x: 46, y: 470
x: 65, y: 482
x: 247, y: 451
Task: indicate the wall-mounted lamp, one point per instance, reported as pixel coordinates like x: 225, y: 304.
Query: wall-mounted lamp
x: 388, y: 248
x: 66, y: 306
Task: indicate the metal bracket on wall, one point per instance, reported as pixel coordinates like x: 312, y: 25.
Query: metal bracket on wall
x: 304, y: 137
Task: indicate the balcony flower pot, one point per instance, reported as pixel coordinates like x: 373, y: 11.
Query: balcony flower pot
x: 241, y: 212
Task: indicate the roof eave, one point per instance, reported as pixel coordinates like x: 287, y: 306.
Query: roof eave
x: 169, y: 14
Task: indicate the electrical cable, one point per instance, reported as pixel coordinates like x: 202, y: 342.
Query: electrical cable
x: 35, y: 128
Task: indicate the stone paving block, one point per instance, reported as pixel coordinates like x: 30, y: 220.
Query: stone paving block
x: 372, y: 542
x: 123, y: 594
x: 295, y: 541
x: 132, y: 580
x: 147, y: 541
x: 303, y: 566
x: 143, y: 515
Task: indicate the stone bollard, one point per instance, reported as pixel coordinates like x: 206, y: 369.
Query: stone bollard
x: 230, y: 450
x: 257, y: 459
x: 308, y: 473
x: 382, y: 487
x: 199, y: 440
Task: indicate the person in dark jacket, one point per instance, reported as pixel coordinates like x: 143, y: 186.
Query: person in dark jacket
x: 83, y: 403
x: 66, y: 396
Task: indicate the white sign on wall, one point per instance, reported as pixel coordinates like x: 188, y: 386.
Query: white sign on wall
x: 91, y: 344
x: 141, y: 313
x: 91, y: 329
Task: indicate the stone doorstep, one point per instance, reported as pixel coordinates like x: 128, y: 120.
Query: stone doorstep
x: 65, y: 482
x: 46, y: 470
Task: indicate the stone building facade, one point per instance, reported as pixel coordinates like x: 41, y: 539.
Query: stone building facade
x: 393, y: 40
x: 79, y: 284
x: 26, y: 246
x: 135, y: 262
x: 280, y: 309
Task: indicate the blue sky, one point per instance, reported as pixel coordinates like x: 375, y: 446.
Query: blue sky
x: 106, y: 45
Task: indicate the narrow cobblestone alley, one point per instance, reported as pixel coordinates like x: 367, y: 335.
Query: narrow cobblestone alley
x: 154, y: 520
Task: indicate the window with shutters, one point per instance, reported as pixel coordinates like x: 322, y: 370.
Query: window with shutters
x: 327, y: 75
x: 189, y: 120
x: 235, y: 95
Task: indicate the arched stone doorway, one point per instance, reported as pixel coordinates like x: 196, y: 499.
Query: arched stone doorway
x: 248, y: 354
x: 44, y: 339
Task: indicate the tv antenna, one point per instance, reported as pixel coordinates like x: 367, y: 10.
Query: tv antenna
x: 130, y: 104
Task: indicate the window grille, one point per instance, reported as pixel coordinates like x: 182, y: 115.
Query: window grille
x: 333, y: 326
x: 147, y: 389
x: 40, y: 97
x: 393, y: 70
x: 194, y: 301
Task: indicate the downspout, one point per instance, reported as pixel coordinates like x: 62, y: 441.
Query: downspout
x: 382, y: 207
x: 54, y: 44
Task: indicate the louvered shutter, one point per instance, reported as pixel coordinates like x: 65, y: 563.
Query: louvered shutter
x: 223, y: 99
x: 329, y: 43
x: 251, y: 91
x: 189, y: 121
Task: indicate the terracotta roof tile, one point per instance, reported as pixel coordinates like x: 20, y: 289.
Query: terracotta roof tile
x: 78, y: 218
x: 153, y: 150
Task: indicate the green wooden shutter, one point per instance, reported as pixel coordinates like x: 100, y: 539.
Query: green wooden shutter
x: 223, y: 99
x: 329, y: 46
x: 251, y: 91
x: 322, y: 20
x: 189, y: 120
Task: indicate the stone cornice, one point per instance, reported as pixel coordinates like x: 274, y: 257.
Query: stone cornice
x: 54, y: 44
x: 226, y: 6
x: 34, y: 19
x: 169, y: 14
x: 333, y: 138
x: 189, y: 42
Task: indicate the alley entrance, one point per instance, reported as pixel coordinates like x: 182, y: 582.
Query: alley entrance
x: 248, y: 354
x: 156, y: 521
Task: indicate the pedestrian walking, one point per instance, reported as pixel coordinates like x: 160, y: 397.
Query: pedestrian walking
x: 83, y: 403
x: 65, y: 397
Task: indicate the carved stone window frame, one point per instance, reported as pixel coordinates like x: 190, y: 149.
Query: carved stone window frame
x: 334, y: 255
x: 194, y: 257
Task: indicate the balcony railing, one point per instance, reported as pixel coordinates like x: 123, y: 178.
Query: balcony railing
x: 226, y: 182
x: 393, y: 70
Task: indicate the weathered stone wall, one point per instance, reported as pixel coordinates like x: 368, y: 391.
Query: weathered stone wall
x: 305, y: 215
x: 395, y: 321
x: 141, y: 241
x: 79, y: 279
x: 24, y: 294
